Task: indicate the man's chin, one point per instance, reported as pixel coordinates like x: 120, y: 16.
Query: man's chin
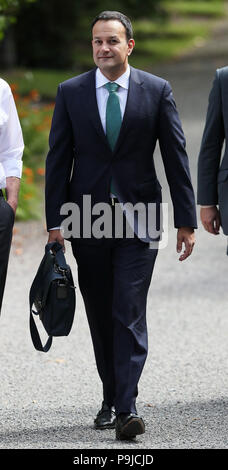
x: 107, y: 67
x: 105, y: 63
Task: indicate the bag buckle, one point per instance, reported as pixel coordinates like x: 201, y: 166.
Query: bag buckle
x: 61, y: 290
x: 61, y: 271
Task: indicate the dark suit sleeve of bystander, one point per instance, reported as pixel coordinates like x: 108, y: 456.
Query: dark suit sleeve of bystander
x: 172, y: 145
x: 211, y: 147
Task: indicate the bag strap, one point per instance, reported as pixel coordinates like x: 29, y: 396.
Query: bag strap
x: 33, y: 328
x: 36, y: 337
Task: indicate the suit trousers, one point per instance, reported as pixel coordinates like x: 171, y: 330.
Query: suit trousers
x: 6, y: 226
x: 114, y: 277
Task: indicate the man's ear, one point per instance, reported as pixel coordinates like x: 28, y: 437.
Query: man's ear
x: 131, y: 45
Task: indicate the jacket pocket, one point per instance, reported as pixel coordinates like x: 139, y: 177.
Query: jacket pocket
x: 150, y: 190
x: 222, y: 175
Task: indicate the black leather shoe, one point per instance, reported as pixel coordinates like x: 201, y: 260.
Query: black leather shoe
x: 106, y: 417
x: 128, y: 425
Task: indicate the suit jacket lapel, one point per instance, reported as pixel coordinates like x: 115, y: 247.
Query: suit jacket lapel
x: 132, y: 106
x: 89, y: 88
x: 134, y: 100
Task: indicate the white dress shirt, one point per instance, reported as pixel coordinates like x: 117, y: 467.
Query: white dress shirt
x: 11, y: 139
x: 102, y: 95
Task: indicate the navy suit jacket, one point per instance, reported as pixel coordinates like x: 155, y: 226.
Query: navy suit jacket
x: 81, y: 162
x: 212, y: 169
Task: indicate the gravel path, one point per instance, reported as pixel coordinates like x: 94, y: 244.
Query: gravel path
x: 49, y: 400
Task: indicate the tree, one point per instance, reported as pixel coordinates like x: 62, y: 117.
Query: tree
x: 48, y: 32
x: 8, y: 12
x: 8, y: 15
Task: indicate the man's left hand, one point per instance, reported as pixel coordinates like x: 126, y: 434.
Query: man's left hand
x: 12, y: 190
x: 185, y: 235
x: 13, y: 204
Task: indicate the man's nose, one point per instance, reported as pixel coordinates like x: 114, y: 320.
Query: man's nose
x: 105, y: 47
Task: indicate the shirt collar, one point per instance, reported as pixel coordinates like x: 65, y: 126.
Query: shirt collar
x: 122, y: 81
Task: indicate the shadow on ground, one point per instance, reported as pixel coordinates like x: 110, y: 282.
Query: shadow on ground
x: 169, y: 426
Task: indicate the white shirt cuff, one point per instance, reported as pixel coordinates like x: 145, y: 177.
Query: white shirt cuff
x: 13, y: 167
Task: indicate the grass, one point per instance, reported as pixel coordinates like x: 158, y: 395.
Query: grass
x: 44, y: 81
x: 162, y: 41
x: 209, y: 8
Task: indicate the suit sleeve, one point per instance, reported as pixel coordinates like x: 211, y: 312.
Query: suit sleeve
x: 172, y: 145
x: 211, y: 147
x: 59, y: 162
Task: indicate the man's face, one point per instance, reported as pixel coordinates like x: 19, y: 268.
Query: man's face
x: 110, y: 46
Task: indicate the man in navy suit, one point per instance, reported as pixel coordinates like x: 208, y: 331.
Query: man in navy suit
x: 105, y: 127
x: 212, y: 169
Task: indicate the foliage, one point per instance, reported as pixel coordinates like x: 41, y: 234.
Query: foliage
x: 208, y: 8
x: 35, y: 119
x: 161, y: 41
x: 8, y: 12
x: 64, y: 26
x: 9, y: 7
x: 59, y: 32
x: 67, y: 34
x: 45, y: 81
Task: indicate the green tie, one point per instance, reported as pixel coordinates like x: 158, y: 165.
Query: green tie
x: 113, y: 117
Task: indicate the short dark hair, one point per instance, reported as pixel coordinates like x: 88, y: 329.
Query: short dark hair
x: 115, y: 15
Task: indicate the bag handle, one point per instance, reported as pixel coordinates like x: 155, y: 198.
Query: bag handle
x: 57, y: 249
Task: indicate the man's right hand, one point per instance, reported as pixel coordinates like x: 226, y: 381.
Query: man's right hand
x: 210, y: 218
x: 56, y: 236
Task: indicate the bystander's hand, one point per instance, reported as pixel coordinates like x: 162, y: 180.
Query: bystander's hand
x: 210, y: 218
x: 13, y: 203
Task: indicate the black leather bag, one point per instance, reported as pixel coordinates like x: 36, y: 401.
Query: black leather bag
x: 53, y: 295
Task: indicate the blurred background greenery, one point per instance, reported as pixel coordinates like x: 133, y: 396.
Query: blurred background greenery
x: 45, y: 42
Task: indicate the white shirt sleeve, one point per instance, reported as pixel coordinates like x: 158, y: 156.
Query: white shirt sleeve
x: 11, y: 138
